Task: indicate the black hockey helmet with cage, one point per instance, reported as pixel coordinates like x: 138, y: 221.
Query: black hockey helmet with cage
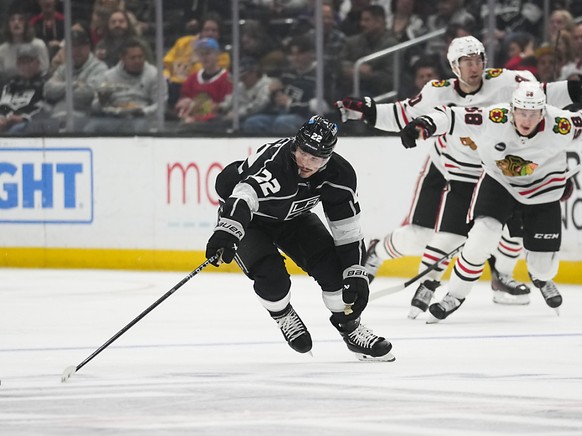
x: 317, y: 136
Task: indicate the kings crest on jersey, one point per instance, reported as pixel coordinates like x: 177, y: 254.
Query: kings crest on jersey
x: 279, y: 193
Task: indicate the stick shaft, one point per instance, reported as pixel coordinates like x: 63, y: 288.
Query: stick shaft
x: 145, y: 312
x: 402, y: 286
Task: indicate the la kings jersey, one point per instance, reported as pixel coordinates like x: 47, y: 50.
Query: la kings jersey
x: 269, y: 183
x: 532, y: 169
x: 450, y: 154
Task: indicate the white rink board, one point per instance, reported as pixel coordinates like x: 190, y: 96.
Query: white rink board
x: 131, y: 193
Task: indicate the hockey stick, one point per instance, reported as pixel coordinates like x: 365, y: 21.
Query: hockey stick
x: 397, y: 288
x: 70, y: 370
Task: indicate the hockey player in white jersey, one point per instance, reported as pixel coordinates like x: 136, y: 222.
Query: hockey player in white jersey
x: 437, y: 223
x: 522, y: 146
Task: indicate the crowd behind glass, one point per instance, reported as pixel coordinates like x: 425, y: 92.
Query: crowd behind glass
x: 117, y: 88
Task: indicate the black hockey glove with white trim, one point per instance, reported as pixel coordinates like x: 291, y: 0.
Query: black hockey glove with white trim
x: 356, y: 290
x: 354, y: 108
x: 224, y: 241
x: 421, y: 127
x: 235, y: 215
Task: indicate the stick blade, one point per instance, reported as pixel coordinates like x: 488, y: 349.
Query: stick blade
x: 68, y: 372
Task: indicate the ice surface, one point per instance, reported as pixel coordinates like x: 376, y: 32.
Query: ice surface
x: 210, y: 361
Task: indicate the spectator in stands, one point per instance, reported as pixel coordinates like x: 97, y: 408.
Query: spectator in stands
x: 511, y: 17
x: 549, y: 63
x: 253, y: 92
x: 405, y: 25
x: 351, y: 16
x: 403, y: 22
x: 278, y: 8
x: 99, y: 23
x: 333, y: 44
x: 376, y: 75
x: 18, y: 32
x: 87, y: 72
x: 559, y: 20
x: 573, y: 70
x: 120, y: 5
x: 127, y: 98
x: 22, y: 96
x: 293, y: 98
x: 566, y: 46
x: 119, y: 31
x: 59, y: 58
x: 49, y: 25
x: 520, y: 51
x: 205, y: 89
x: 449, y: 13
x: 181, y: 60
x: 425, y: 69
x: 256, y: 43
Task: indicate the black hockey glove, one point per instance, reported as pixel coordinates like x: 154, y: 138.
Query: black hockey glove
x: 568, y: 190
x: 354, y: 108
x: 421, y: 127
x: 224, y: 241
x: 355, y: 291
x: 235, y: 215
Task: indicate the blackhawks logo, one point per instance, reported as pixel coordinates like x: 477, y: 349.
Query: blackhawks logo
x: 440, y: 83
x: 515, y: 166
x: 563, y: 126
x: 498, y: 115
x: 492, y: 73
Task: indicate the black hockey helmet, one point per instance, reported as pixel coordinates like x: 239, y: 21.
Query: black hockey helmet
x: 317, y: 136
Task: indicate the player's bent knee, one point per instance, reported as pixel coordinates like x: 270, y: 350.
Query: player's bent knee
x: 542, y: 265
x: 482, y: 240
x: 271, y: 279
x: 333, y: 300
x: 446, y: 242
x: 411, y: 239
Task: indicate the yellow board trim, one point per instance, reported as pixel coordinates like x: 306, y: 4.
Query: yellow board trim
x: 175, y: 260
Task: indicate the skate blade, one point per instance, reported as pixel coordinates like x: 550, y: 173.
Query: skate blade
x: 414, y: 312
x: 557, y: 309
x: 388, y: 357
x: 501, y: 297
x: 433, y: 320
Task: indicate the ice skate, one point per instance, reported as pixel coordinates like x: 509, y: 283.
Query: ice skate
x: 373, y: 261
x: 444, y: 308
x: 363, y: 343
x: 422, y: 297
x: 550, y: 293
x: 294, y: 331
x: 507, y: 290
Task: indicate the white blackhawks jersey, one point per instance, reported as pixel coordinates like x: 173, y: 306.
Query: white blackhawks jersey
x: 453, y: 159
x: 533, y: 169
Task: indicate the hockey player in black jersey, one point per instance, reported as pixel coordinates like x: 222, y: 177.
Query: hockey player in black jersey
x: 267, y: 206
